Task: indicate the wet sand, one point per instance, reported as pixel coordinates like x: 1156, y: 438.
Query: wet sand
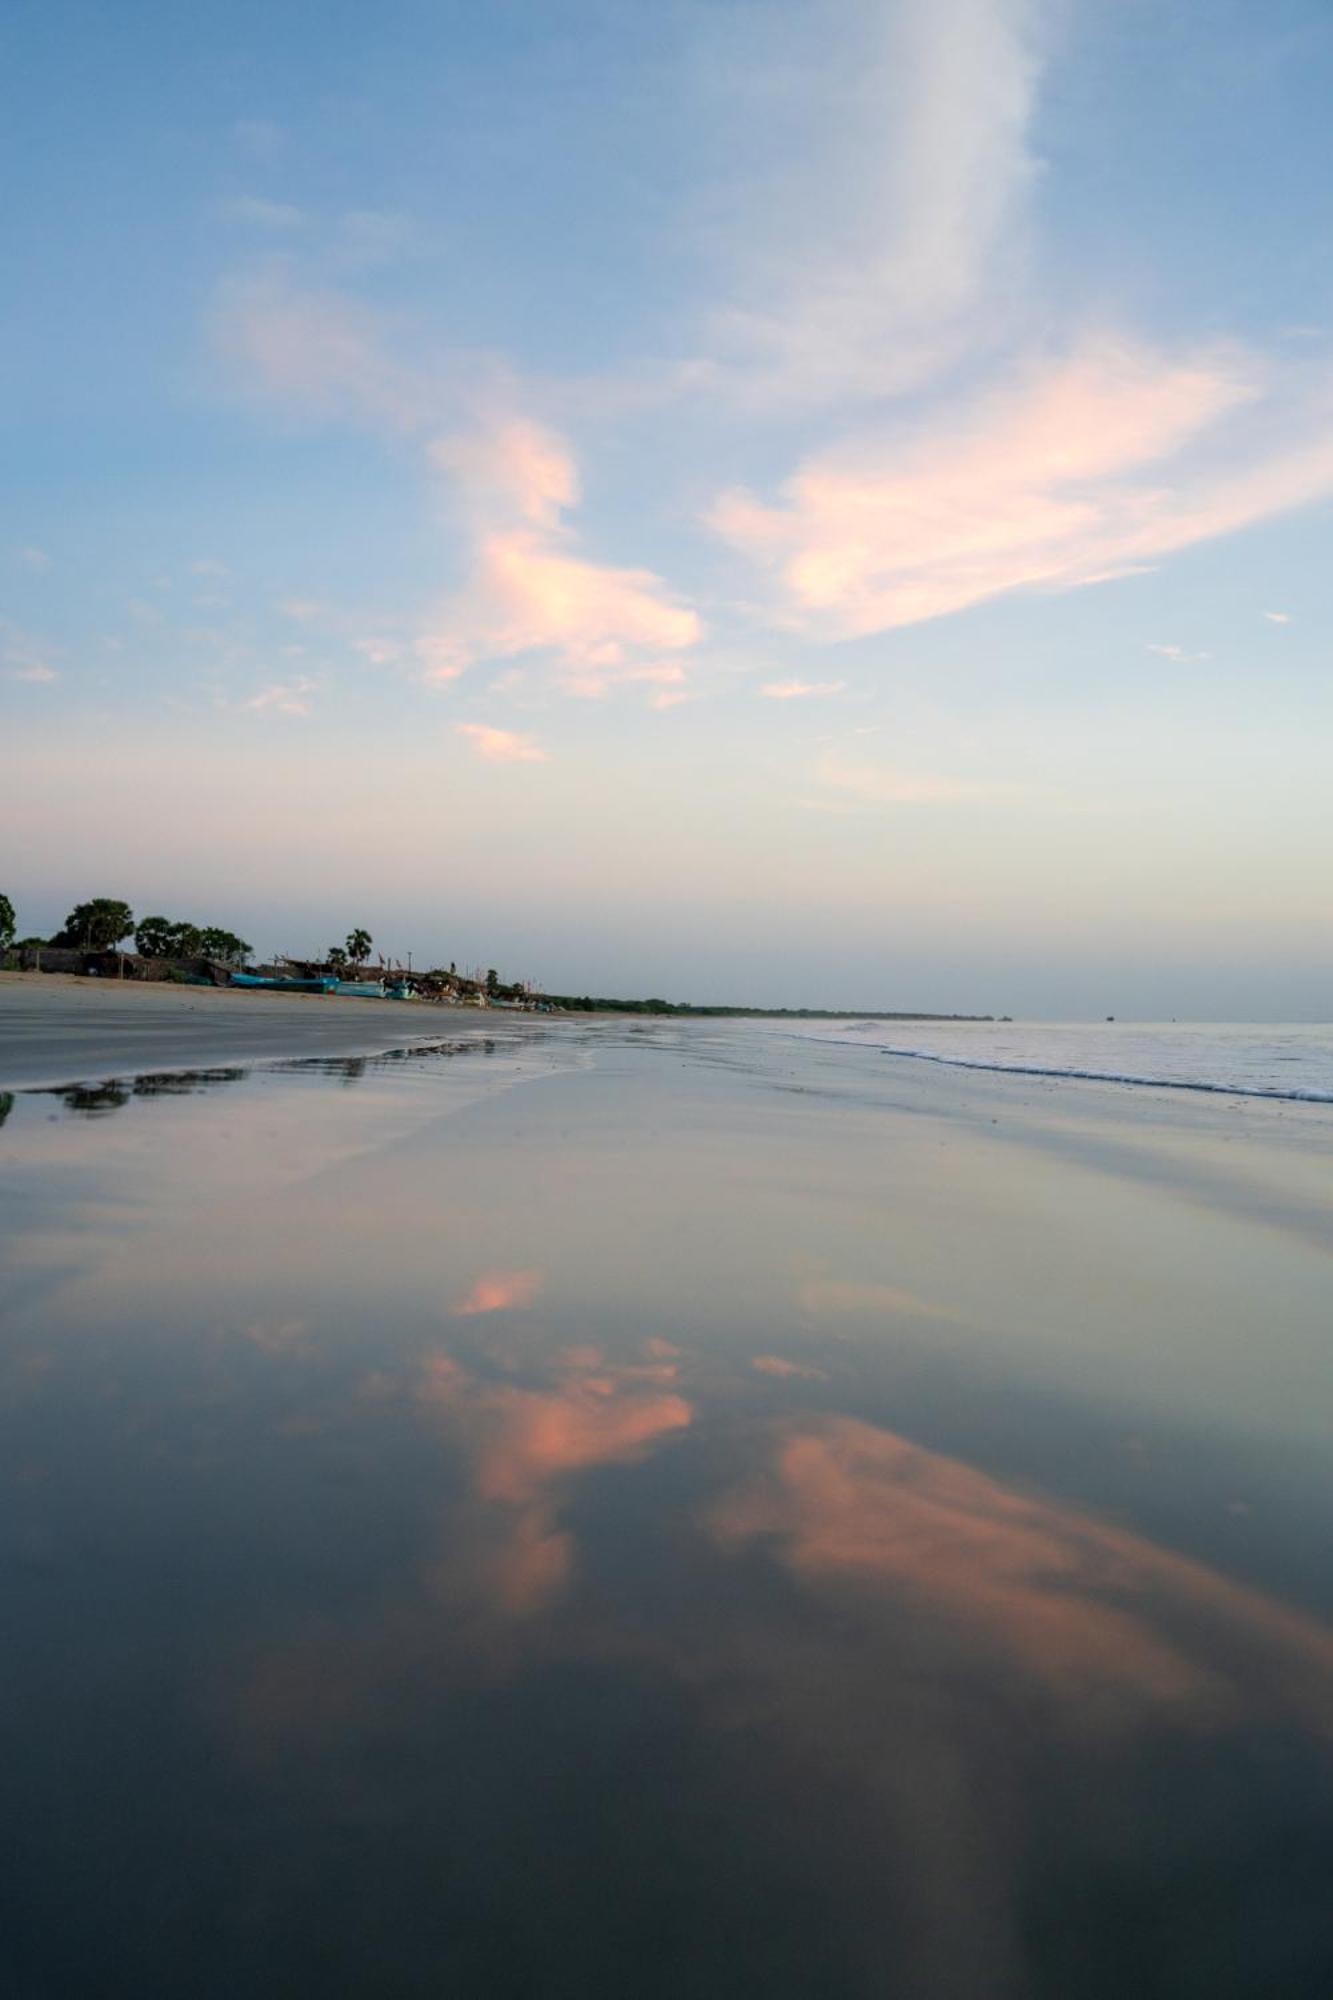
x: 662, y: 1508
x: 58, y: 1029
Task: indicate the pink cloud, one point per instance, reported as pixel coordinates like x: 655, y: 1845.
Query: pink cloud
x: 499, y: 1291
x: 776, y: 1364
x: 530, y: 590
x: 1110, y: 457
x: 517, y: 467
x: 799, y: 690
x: 531, y: 593
x: 502, y: 746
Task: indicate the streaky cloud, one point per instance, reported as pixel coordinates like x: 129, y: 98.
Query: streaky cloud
x: 1067, y: 471
x: 861, y: 274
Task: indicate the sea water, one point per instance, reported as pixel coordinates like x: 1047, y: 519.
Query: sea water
x: 1232, y: 1058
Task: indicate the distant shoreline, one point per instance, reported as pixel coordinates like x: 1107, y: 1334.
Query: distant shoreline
x: 59, y: 1028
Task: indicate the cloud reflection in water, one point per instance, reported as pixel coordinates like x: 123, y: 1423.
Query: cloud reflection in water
x: 523, y: 1442
x: 1095, y: 1615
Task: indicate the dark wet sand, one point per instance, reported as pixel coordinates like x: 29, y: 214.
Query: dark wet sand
x: 56, y: 1029
x: 606, y: 1508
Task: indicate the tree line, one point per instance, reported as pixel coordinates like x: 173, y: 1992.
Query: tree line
x: 104, y: 922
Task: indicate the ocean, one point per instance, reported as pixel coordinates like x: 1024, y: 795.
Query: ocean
x: 1232, y: 1058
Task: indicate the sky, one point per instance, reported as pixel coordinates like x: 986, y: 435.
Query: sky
x: 821, y: 503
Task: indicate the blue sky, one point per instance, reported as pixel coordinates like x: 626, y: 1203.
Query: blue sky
x: 798, y: 503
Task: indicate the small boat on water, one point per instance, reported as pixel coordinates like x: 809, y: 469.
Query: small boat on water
x: 274, y: 984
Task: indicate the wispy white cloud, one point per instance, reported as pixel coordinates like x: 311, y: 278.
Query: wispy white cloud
x: 1278, y: 617
x: 34, y: 559
x: 1180, y: 654
x: 25, y: 658
x: 283, y: 698
x: 253, y: 211
x: 316, y: 349
x: 800, y: 690
x: 908, y: 129
x: 379, y: 650
x: 502, y: 746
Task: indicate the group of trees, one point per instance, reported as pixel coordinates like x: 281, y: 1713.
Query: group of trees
x: 95, y: 926
x: 104, y: 922
x: 162, y: 937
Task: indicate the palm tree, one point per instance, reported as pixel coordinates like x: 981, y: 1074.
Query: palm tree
x: 358, y: 946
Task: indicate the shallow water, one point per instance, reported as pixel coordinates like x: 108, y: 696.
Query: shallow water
x: 664, y: 1511
x: 1228, y: 1057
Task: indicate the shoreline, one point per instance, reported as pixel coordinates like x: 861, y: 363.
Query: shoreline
x: 61, y: 1028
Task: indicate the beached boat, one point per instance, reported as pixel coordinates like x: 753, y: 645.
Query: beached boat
x: 274, y: 984
x: 358, y: 989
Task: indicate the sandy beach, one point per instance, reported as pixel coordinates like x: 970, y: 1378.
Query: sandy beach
x: 55, y: 1028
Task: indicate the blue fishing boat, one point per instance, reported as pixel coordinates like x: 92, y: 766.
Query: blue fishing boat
x: 358, y: 989
x: 274, y: 984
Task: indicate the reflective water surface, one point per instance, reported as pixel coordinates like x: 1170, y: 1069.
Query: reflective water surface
x: 663, y: 1512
